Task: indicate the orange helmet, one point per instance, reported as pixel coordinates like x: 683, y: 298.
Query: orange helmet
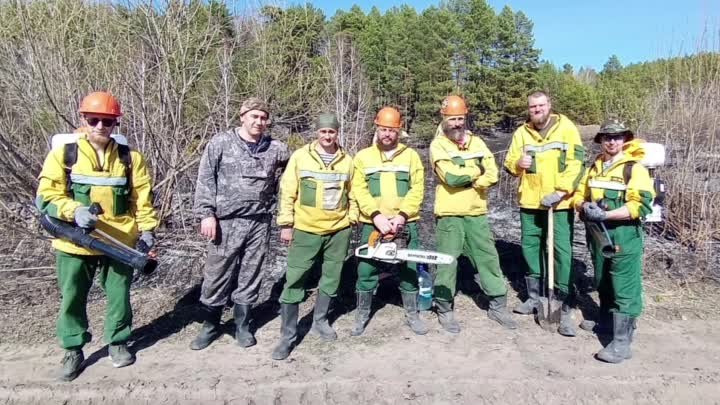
x: 100, y: 102
x: 388, y: 117
x: 453, y: 105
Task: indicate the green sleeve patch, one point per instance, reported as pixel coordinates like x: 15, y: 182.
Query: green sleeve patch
x: 458, y: 161
x: 453, y: 180
x: 645, y: 203
x: 579, y: 153
x: 46, y: 207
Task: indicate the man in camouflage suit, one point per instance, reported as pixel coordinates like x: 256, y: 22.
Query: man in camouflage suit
x: 235, y: 198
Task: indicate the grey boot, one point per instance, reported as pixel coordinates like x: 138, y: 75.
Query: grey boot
x: 362, y: 312
x: 567, y: 325
x: 533, y: 290
x: 71, y: 364
x: 497, y: 311
x: 320, y: 325
x: 210, y: 329
x: 601, y: 326
x: 412, y: 318
x: 446, y: 316
x: 619, y: 349
x: 120, y: 355
x: 243, y: 336
x: 288, y: 331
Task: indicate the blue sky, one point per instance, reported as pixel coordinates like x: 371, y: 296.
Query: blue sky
x: 587, y: 32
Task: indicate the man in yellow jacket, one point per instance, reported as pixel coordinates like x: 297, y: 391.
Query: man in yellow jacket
x: 547, y: 155
x: 97, y: 174
x: 388, y: 186
x: 465, y: 169
x: 314, y: 220
x: 617, y: 191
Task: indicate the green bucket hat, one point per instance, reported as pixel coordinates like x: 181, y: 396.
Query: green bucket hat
x: 327, y: 120
x: 614, y: 127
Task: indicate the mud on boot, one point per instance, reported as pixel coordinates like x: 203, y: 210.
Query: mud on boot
x: 412, y: 316
x: 210, y: 329
x: 533, y: 289
x: 567, y: 324
x: 362, y: 312
x: 321, y: 325
x: 71, y: 364
x: 619, y: 349
x: 446, y: 316
x: 497, y: 311
x: 243, y: 336
x: 288, y: 331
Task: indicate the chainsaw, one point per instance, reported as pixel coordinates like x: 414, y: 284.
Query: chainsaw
x: 385, y: 249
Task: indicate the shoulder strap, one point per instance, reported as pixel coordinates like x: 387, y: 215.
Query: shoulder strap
x: 70, y: 155
x: 627, y: 171
x: 126, y: 159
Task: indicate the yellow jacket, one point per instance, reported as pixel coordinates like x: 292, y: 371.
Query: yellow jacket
x: 127, y: 212
x: 314, y: 198
x: 557, y: 162
x: 609, y: 184
x: 393, y: 186
x: 464, y: 175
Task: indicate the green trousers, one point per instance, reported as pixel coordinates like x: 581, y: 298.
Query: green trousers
x: 533, y: 224
x: 369, y: 270
x: 305, y: 249
x: 469, y: 236
x: 619, y: 279
x: 75, y: 274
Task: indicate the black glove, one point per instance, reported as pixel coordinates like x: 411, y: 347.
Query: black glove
x: 146, y: 242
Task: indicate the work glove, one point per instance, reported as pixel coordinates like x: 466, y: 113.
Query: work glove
x: 550, y: 200
x: 84, y: 218
x: 593, y: 212
x: 145, y: 242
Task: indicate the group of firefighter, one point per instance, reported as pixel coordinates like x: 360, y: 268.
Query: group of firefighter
x: 324, y: 192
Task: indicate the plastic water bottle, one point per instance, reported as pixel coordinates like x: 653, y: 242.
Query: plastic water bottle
x: 425, y: 285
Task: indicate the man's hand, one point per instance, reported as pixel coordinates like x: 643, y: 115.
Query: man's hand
x: 397, y: 223
x: 382, y: 223
x: 84, y: 218
x: 525, y: 162
x: 208, y: 228
x: 286, y: 234
x: 593, y: 212
x: 552, y: 199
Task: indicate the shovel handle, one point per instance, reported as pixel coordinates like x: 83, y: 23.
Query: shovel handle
x: 550, y: 254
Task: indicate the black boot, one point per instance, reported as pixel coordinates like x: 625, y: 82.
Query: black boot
x: 497, y: 311
x: 567, y: 325
x: 446, y: 316
x: 288, y: 331
x: 243, y: 336
x: 412, y: 318
x: 533, y: 290
x: 601, y: 326
x: 362, y: 312
x: 320, y: 325
x: 210, y: 329
x: 619, y: 349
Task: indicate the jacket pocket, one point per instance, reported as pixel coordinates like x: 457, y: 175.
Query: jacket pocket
x: 308, y: 190
x: 332, y: 195
x: 562, y: 161
x: 121, y: 201
x: 373, y: 181
x: 81, y: 193
x: 402, y: 182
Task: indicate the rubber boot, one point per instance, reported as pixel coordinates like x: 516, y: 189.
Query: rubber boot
x: 601, y: 326
x: 362, y: 312
x: 320, y: 325
x: 619, y: 349
x: 120, y: 355
x: 567, y: 325
x: 497, y: 311
x: 71, y: 364
x: 533, y: 289
x: 446, y: 317
x: 243, y: 336
x: 412, y: 317
x: 288, y: 331
x: 210, y: 328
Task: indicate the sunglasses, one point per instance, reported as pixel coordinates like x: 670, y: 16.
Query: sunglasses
x: 107, y: 122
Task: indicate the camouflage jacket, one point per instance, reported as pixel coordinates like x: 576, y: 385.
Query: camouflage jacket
x: 234, y: 182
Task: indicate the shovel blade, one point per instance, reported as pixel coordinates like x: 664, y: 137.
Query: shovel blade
x: 548, y: 314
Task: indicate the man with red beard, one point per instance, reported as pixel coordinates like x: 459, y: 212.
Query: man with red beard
x: 546, y: 153
x: 465, y: 169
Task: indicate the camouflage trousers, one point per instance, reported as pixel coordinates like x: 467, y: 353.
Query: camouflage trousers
x: 235, y: 259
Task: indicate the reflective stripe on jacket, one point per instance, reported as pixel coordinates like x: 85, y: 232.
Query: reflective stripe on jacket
x: 315, y: 198
x: 557, y: 162
x: 464, y: 175
x: 127, y: 212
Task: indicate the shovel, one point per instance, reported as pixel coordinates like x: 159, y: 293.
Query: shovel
x: 548, y: 309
